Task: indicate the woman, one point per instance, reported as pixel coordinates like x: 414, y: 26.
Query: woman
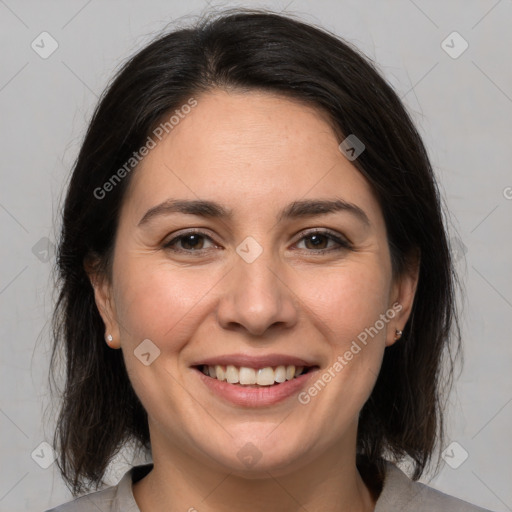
x: 256, y: 285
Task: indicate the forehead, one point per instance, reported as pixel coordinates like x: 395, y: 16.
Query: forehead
x: 249, y: 150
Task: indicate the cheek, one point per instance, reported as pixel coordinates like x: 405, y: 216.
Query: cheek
x: 346, y: 305
x: 157, y: 301
x: 347, y: 301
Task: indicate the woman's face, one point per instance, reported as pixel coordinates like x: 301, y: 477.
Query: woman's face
x: 260, y: 285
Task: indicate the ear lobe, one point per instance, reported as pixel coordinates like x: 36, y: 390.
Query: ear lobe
x: 403, y: 292
x: 104, y: 302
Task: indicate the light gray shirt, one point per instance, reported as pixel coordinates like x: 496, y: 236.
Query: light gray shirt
x: 399, y: 494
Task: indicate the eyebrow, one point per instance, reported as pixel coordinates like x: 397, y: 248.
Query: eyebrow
x: 297, y: 209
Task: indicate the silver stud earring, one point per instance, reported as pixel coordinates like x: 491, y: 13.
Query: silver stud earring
x: 398, y: 334
x: 109, y: 338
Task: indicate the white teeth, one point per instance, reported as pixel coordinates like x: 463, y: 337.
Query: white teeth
x: 231, y: 374
x: 247, y: 375
x: 280, y: 374
x: 219, y: 372
x: 250, y: 376
x: 265, y: 376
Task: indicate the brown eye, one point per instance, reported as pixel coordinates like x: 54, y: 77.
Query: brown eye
x: 318, y: 241
x: 188, y: 242
x: 192, y: 242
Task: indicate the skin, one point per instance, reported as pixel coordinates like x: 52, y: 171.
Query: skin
x: 253, y: 152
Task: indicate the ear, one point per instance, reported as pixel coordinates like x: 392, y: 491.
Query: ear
x: 402, y: 296
x: 103, y: 297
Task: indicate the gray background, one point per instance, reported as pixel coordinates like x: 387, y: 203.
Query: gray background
x: 462, y: 106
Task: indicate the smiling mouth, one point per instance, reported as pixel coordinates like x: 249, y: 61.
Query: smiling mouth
x: 255, y: 377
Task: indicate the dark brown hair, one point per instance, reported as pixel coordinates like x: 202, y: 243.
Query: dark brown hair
x: 253, y: 50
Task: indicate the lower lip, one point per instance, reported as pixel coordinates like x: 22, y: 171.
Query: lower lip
x: 246, y: 396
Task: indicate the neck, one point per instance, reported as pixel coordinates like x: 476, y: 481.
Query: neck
x: 179, y: 482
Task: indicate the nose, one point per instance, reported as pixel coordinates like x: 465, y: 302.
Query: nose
x: 257, y: 296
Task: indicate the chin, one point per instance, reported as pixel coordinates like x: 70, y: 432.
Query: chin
x: 253, y: 457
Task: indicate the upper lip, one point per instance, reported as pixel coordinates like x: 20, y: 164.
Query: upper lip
x: 248, y: 361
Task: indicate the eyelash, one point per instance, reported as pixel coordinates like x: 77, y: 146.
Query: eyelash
x: 343, y: 244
